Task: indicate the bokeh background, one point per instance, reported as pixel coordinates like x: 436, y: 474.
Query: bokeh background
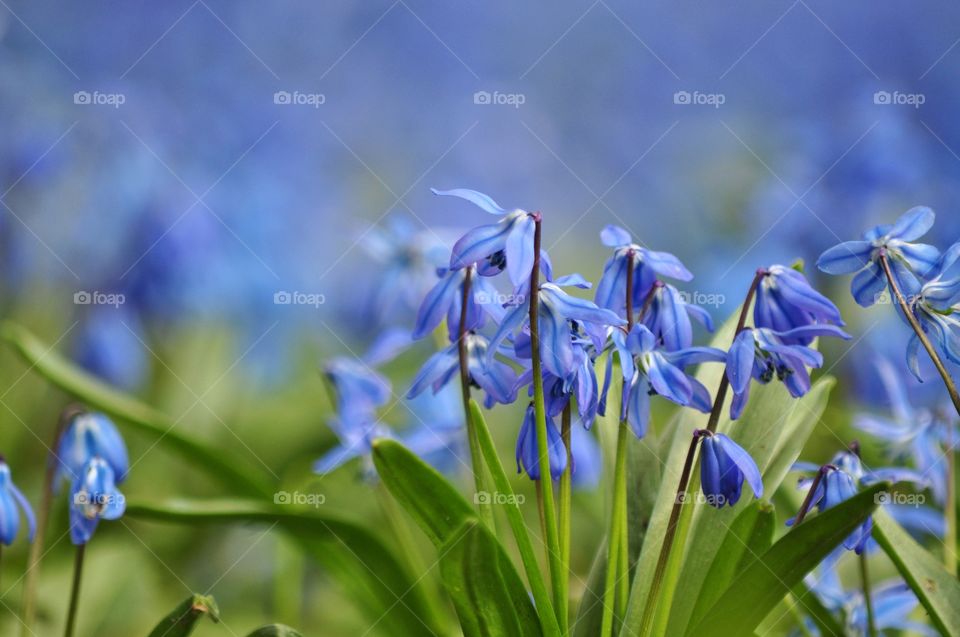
x: 201, y: 158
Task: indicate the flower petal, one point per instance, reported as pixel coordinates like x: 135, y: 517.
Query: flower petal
x: 614, y: 236
x: 519, y: 249
x: 867, y: 285
x: 740, y: 361
x: 479, y: 199
x: 664, y: 264
x: 744, y: 462
x: 912, y: 224
x: 436, y: 303
x: 479, y: 243
x: 846, y: 257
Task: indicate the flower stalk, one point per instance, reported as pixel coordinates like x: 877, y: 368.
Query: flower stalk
x: 75, y: 591
x: 674, y: 521
x: 950, y: 506
x: 566, y: 491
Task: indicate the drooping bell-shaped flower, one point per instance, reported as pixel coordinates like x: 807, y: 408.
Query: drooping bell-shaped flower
x: 93, y: 496
x: 937, y: 309
x: 646, y: 264
x: 651, y: 370
x: 12, y: 503
x: 528, y: 456
x: 88, y: 435
x: 497, y: 379
x: 761, y: 353
x: 725, y: 466
x: 785, y: 300
x: 445, y: 300
x: 668, y: 317
x: 507, y: 244
x: 909, y: 262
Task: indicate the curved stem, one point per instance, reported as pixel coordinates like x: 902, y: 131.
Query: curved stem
x: 808, y: 500
x: 543, y: 449
x: 476, y: 458
x: 75, y: 591
x: 566, y: 495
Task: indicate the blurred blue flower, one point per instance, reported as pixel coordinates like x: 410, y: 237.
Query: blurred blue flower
x: 937, y: 308
x: 89, y: 435
x: 724, y: 467
x: 558, y: 314
x: 761, y: 353
x: 909, y: 262
x: 646, y: 264
x: 436, y: 429
x: 12, y: 502
x: 668, y: 317
x: 505, y: 244
x: 497, y: 379
x: 528, y: 457
x: 785, y: 300
x: 649, y: 370
x: 587, y: 459
x: 93, y: 496
x: 357, y: 386
x: 108, y: 345
x: 921, y: 434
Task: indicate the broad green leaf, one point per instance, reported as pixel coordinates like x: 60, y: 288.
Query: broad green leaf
x: 937, y: 590
x: 440, y: 511
x: 487, y: 592
x: 773, y: 429
x: 538, y: 585
x: 275, y: 630
x: 181, y: 620
x: 135, y: 414
x: 361, y: 562
x: 751, y: 534
x: 762, y: 584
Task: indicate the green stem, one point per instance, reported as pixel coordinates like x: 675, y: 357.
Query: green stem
x: 476, y: 459
x: 867, y: 601
x: 949, y: 512
x: 543, y: 449
x: 75, y: 591
x: 566, y: 494
x: 400, y: 528
x: 538, y: 586
x: 950, y: 508
x: 712, y: 424
x: 614, y: 536
x: 623, y: 557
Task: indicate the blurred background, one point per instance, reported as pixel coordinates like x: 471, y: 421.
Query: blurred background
x: 196, y: 196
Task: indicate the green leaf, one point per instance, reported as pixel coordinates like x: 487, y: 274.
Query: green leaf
x: 98, y: 395
x: 814, y: 608
x: 751, y: 534
x: 489, y: 596
x: 367, y: 569
x: 181, y: 620
x: 937, y: 590
x: 275, y: 630
x: 764, y: 583
x: 435, y: 504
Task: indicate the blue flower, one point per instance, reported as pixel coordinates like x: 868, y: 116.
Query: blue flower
x: 528, y: 457
x: 356, y: 385
x: 724, y: 467
x: 650, y: 370
x: 558, y: 314
x: 909, y: 262
x: 785, y: 300
x: 497, y: 379
x: 445, y: 299
x: 12, y: 502
x: 356, y: 430
x: 587, y: 459
x: 93, y: 496
x: 505, y: 244
x: 937, y: 309
x: 761, y: 353
x: 88, y: 435
x: 921, y: 434
x: 436, y: 429
x: 646, y: 265
x: 668, y: 317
